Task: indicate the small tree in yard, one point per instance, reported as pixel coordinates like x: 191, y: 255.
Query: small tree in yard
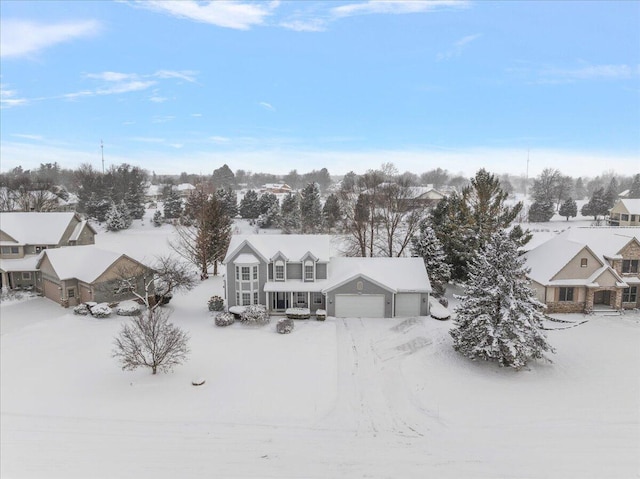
x: 151, y: 341
x: 597, y: 205
x: 541, y: 212
x: 499, y: 318
x: 569, y: 209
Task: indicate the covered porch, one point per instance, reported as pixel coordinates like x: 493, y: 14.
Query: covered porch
x: 285, y: 295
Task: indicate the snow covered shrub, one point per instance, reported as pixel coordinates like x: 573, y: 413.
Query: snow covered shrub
x: 443, y: 301
x: 128, y: 308
x: 81, y: 309
x: 255, y: 314
x: 284, y: 325
x: 101, y: 310
x: 225, y: 319
x: 216, y: 303
x: 321, y: 314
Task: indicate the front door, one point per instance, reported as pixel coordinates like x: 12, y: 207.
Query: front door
x: 602, y: 297
x: 282, y: 301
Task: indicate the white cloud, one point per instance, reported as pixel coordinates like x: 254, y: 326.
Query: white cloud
x: 10, y: 98
x: 312, y: 25
x: 126, y: 87
x: 196, y: 115
x: 228, y: 14
x: 267, y: 106
x: 592, y: 72
x: 395, y: 7
x: 21, y: 38
x: 28, y: 137
x: 458, y: 47
x: 186, y: 75
x: 220, y: 139
x: 112, y: 76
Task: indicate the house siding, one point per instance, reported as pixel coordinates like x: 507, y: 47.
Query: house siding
x: 294, y: 270
x: 573, y: 270
x: 263, y: 272
x: 321, y: 270
x: 368, y: 288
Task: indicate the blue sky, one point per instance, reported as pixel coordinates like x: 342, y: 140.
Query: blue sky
x: 347, y: 85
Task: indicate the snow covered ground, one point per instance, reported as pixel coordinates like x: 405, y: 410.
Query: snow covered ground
x: 375, y: 398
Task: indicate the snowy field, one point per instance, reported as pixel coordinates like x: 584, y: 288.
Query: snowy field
x: 354, y: 398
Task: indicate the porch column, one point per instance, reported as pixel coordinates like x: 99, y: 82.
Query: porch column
x: 5, y: 282
x: 588, y: 304
x: 309, y: 300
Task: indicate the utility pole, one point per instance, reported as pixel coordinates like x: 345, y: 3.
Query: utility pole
x: 102, y: 150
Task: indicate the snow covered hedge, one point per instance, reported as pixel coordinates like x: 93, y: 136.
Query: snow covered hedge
x: 255, y: 314
x: 128, y: 308
x: 81, y: 309
x: 216, y: 303
x: 101, y: 310
x: 298, y: 313
x: 437, y: 310
x: 284, y: 325
x: 224, y: 319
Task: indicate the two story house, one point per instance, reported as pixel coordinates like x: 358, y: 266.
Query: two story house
x: 25, y: 235
x: 583, y: 269
x: 626, y: 212
x: 306, y: 271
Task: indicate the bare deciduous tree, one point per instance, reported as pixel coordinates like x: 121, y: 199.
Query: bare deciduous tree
x: 150, y: 341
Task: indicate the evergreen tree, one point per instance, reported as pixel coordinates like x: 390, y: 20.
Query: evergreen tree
x: 271, y: 218
x: 249, y: 205
x: 569, y: 209
x: 229, y: 200
x: 223, y: 177
x: 310, y: 209
x: 157, y: 218
x: 540, y: 212
x: 634, y: 191
x: 331, y: 213
x: 266, y: 201
x: 117, y: 217
x: 580, y: 189
x: 290, y: 214
x: 427, y: 246
x: 172, y: 205
x: 611, y: 193
x: 597, y: 205
x: 499, y: 318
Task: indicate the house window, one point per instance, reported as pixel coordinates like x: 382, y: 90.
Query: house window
x: 255, y: 273
x: 583, y: 262
x: 630, y: 295
x: 633, y: 218
x: 238, y: 298
x: 301, y: 297
x: 279, y: 271
x: 317, y: 298
x: 624, y: 217
x: 246, y: 273
x: 629, y: 265
x: 255, y: 297
x: 71, y: 293
x: 237, y: 272
x: 26, y: 275
x: 246, y: 299
x: 40, y: 248
x: 308, y: 271
x: 566, y: 294
x: 9, y: 250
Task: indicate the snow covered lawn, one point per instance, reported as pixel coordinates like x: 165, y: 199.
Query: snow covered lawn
x: 340, y: 398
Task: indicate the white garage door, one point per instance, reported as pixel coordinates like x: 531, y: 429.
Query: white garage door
x: 407, y: 305
x: 359, y: 305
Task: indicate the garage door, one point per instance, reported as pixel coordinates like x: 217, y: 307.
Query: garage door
x: 407, y: 305
x: 51, y: 290
x: 359, y: 305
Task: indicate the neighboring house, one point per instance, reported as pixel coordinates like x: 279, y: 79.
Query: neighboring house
x: 626, y: 212
x: 70, y: 276
x: 586, y: 268
x: 303, y: 271
x: 184, y: 189
x: 425, y: 196
x: 276, y: 188
x: 25, y: 235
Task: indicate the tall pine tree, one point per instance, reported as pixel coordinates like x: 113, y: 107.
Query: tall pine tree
x: 290, y: 214
x: 499, y: 318
x: 569, y: 209
x: 310, y: 208
x: 427, y: 246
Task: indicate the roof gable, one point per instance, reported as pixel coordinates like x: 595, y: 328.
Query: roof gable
x: 36, y: 227
x: 292, y: 247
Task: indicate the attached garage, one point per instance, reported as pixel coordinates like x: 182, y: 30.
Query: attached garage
x: 408, y: 304
x: 51, y: 290
x: 359, y: 305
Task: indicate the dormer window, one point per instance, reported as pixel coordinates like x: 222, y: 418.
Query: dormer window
x: 583, y: 262
x: 279, y: 269
x: 308, y: 271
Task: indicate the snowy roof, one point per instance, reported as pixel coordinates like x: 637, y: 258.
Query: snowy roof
x: 547, y: 259
x: 86, y: 263
x: 246, y: 258
x: 397, y: 274
x: 294, y: 247
x: 35, y: 227
x: 185, y: 187
x: 296, y: 285
x: 632, y: 205
x: 27, y: 263
x: 276, y: 186
x: 78, y: 229
x: 430, y: 191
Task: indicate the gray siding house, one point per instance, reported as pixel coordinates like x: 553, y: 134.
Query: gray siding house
x: 304, y: 271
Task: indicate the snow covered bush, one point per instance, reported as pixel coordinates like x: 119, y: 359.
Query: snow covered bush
x: 81, y: 309
x: 255, y: 314
x: 216, y: 303
x: 499, y: 318
x: 443, y: 301
x: 321, y: 314
x: 101, y: 310
x: 284, y: 325
x: 128, y: 308
x: 437, y: 310
x: 298, y: 313
x: 225, y: 319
